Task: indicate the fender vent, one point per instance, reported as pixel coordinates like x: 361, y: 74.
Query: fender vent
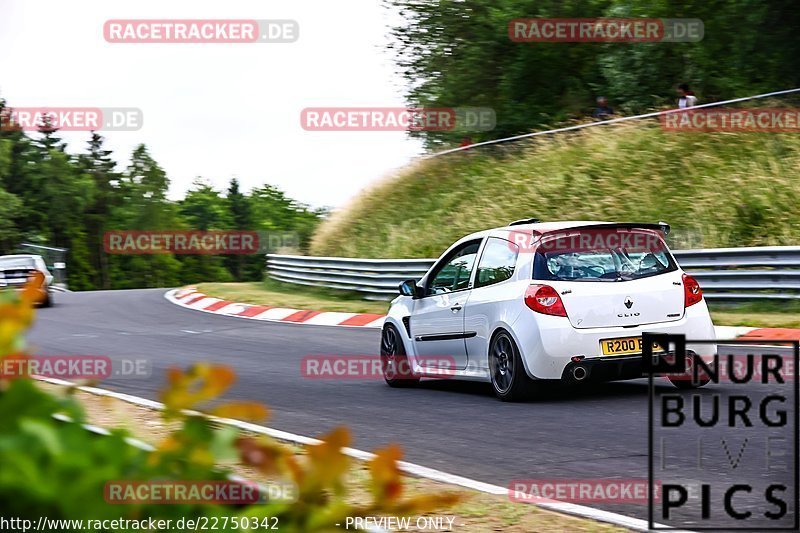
x: 407, y: 324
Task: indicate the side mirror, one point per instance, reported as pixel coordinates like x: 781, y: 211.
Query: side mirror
x: 409, y: 288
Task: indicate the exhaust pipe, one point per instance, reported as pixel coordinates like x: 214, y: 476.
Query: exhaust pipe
x: 579, y: 373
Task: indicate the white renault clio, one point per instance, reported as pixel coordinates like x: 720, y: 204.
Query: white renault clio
x: 537, y: 301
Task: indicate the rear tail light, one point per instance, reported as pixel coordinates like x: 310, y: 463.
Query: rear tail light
x: 544, y: 299
x: 691, y: 291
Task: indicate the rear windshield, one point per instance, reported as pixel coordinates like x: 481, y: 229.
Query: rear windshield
x: 602, y: 255
x: 16, y: 262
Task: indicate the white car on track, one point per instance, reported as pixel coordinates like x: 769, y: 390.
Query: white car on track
x: 533, y: 301
x: 16, y: 272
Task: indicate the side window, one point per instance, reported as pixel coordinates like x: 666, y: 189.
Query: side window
x: 455, y: 273
x: 497, y: 262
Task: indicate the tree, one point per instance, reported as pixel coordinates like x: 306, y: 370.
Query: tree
x: 101, y: 167
x: 50, y: 197
x: 457, y: 53
x: 240, y: 266
x: 18, y: 176
x: 204, y: 209
x: 274, y: 211
x: 9, y: 205
x: 57, y: 194
x: 143, y: 205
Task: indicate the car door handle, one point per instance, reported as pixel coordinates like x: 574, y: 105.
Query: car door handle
x: 456, y: 308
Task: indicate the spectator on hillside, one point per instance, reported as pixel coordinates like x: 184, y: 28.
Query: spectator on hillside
x: 686, y: 96
x: 602, y: 111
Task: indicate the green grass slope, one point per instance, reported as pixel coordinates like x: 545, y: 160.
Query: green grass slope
x: 715, y: 189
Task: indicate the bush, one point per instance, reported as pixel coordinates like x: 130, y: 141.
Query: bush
x: 59, y: 470
x: 715, y: 189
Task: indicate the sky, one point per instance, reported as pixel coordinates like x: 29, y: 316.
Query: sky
x: 218, y: 110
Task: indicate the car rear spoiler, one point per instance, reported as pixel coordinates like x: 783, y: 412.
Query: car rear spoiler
x: 662, y: 227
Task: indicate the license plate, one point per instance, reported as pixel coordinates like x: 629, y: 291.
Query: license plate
x: 625, y: 346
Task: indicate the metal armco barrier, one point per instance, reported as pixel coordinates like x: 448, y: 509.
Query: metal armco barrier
x: 771, y: 272
x: 375, y: 277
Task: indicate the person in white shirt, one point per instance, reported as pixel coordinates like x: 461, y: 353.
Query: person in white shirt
x: 687, y: 97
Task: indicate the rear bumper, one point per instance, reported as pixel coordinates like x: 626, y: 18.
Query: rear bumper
x: 548, y: 343
x: 606, y: 369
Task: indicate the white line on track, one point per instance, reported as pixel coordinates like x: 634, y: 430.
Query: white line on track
x: 581, y: 511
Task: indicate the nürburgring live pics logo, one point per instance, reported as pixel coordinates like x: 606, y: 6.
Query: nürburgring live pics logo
x: 725, y: 456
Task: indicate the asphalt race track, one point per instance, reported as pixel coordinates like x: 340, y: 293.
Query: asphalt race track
x: 598, y: 431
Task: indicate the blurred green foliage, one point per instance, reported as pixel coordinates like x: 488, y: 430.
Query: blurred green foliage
x: 58, y: 469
